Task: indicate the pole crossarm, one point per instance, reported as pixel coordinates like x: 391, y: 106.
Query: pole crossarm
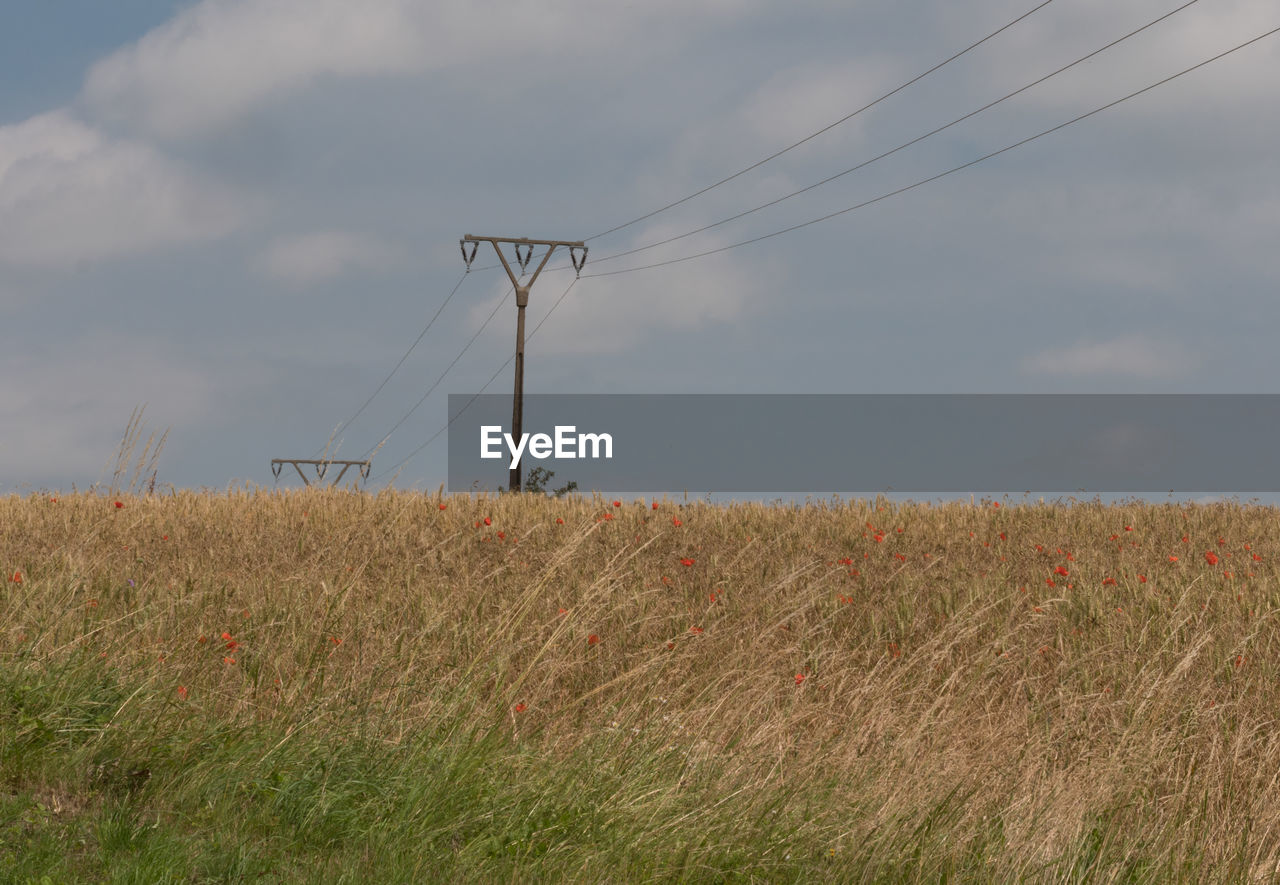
x: 574, y: 246
x: 524, y: 253
x: 322, y: 467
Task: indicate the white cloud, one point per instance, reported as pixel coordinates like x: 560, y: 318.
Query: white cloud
x: 1129, y: 356
x: 220, y: 58
x: 311, y: 258
x: 74, y: 399
x: 68, y: 192
x: 809, y: 97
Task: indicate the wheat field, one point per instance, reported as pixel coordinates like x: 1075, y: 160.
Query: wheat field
x: 336, y: 686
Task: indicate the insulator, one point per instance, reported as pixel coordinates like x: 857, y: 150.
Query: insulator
x: 523, y: 257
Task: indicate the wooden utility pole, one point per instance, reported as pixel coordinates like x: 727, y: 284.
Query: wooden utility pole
x: 522, y: 299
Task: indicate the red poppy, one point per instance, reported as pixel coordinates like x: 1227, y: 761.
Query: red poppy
x: 17, y: 578
x: 1211, y: 557
x: 695, y: 630
x: 1061, y: 570
x: 617, y: 503
x: 1173, y: 559
x: 1108, y: 581
x: 1142, y: 578
x: 119, y: 505
x: 443, y: 506
x: 686, y: 561
x: 520, y: 708
x: 488, y: 521
x: 182, y: 692
x: 799, y: 678
x: 559, y: 521
x: 655, y: 505
x: 676, y: 522
x: 593, y: 639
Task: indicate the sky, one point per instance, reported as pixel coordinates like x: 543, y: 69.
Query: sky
x: 242, y: 213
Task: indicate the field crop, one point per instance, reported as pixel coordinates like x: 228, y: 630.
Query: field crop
x: 333, y: 686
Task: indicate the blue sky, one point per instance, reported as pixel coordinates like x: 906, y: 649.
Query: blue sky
x: 242, y: 212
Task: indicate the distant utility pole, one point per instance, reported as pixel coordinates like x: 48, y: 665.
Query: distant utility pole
x: 522, y: 299
x: 277, y: 464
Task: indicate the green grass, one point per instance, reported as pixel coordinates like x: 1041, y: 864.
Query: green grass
x: 167, y: 793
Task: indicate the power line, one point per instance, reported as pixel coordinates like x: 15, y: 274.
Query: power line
x: 903, y: 146
x: 465, y: 348
x: 933, y: 178
x: 476, y: 395
x: 823, y: 218
x: 828, y: 217
x: 415, y: 343
x: 824, y: 129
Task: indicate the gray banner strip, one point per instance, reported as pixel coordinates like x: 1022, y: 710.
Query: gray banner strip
x: 867, y: 443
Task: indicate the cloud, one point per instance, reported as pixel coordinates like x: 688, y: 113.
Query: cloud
x: 312, y: 258
x: 1132, y: 356
x: 72, y: 399
x: 1048, y: 41
x: 218, y: 59
x: 790, y: 105
x: 68, y: 192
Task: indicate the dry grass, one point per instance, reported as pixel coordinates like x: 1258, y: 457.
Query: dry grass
x: 901, y: 683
